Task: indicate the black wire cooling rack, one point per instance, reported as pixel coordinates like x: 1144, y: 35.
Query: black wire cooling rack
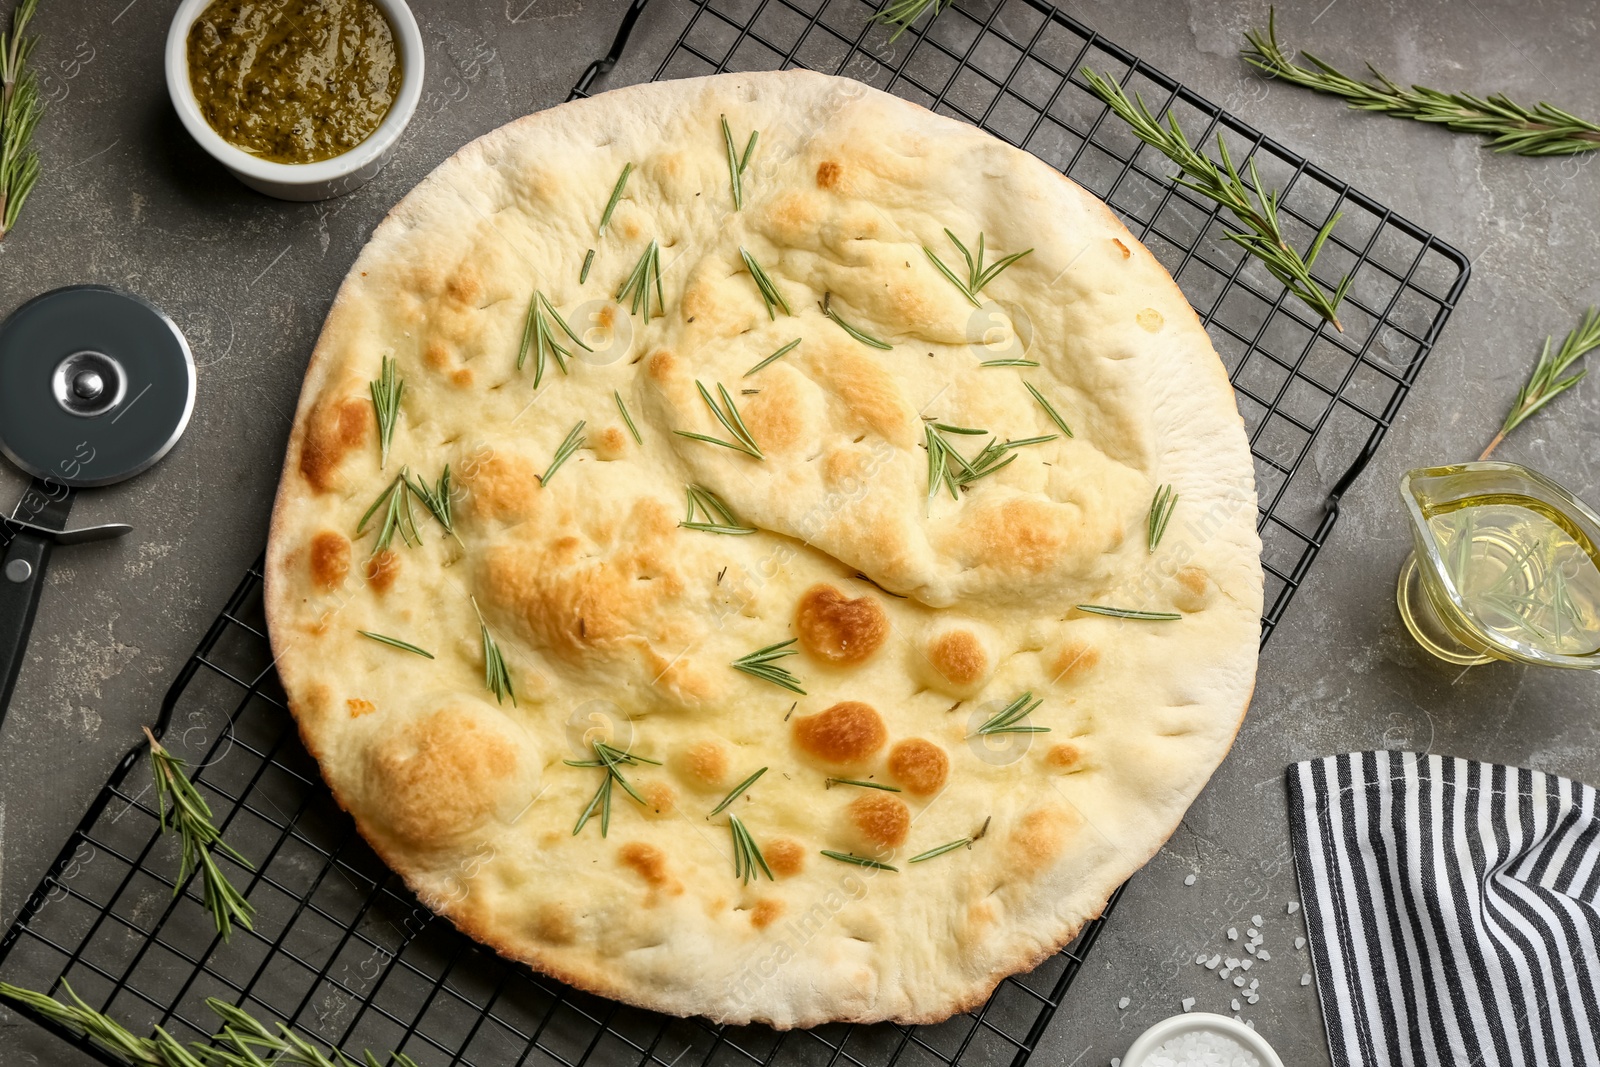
x: 344, y: 953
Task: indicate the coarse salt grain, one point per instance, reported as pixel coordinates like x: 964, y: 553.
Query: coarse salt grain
x: 1189, y: 880
x: 1251, y: 948
x: 1263, y: 955
x: 1233, y: 963
x: 1253, y: 933
x: 1233, y: 933
x: 1224, y: 972
x: 1214, y: 960
x: 1255, y: 920
x: 1188, y: 1005
x: 1294, y: 906
x: 1235, y: 1003
x: 1122, y: 1004
x: 1201, y: 1048
x: 1305, y: 979
x: 1246, y: 964
x: 1200, y: 959
x: 1299, y: 943
x: 1239, y: 981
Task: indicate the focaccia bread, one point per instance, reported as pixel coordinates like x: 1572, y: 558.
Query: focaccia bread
x: 727, y: 569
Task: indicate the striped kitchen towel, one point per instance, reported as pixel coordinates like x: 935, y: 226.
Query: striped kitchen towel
x: 1451, y: 908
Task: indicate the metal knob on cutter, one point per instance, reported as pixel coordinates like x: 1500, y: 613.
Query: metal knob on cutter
x: 96, y: 385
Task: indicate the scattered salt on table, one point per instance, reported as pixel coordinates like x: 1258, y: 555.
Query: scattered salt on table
x: 1305, y: 979
x: 1189, y: 880
x: 1293, y: 907
x: 1188, y: 1005
x: 1299, y: 943
x: 1233, y: 933
x: 1122, y: 1004
x: 1255, y: 920
x: 1263, y: 955
x: 1201, y: 1048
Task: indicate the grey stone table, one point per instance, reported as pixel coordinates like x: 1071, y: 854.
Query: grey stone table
x: 128, y: 200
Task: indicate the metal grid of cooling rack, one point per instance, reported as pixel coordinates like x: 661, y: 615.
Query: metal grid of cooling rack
x: 341, y: 950
x: 1316, y: 402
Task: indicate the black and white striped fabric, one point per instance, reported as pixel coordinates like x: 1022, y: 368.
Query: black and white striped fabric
x: 1451, y: 908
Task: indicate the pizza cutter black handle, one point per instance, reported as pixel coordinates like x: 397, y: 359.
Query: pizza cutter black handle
x: 21, y: 582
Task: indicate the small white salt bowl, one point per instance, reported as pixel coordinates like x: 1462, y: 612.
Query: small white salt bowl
x: 301, y: 181
x: 1199, y: 1022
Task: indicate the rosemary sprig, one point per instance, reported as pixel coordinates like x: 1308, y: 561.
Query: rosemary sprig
x: 496, y: 676
x: 770, y: 360
x: 742, y: 440
x: 736, y: 162
x: 1011, y: 361
x: 1545, y: 130
x: 948, y: 468
x: 616, y: 195
x: 395, y: 642
x: 829, y: 783
x: 769, y: 292
x: 1130, y: 613
x: 747, y: 857
x: 183, y: 809
x: 1546, y: 383
x: 1049, y: 409
x: 965, y: 842
x: 541, y: 339
x: 627, y: 418
x: 1008, y: 719
x: 903, y: 13
x: 737, y: 792
x: 646, y: 273
x: 859, y: 861
x: 978, y: 275
x: 1263, y: 235
x: 20, y: 110
x: 1161, y: 506
x: 241, y: 1033
x: 436, y: 498
x: 588, y: 261
x: 386, y: 393
x: 762, y: 664
x: 719, y: 518
x: 574, y: 440
x: 613, y: 760
x: 395, y: 501
x: 865, y: 338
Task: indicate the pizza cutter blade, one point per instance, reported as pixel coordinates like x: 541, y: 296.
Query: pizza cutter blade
x: 96, y: 385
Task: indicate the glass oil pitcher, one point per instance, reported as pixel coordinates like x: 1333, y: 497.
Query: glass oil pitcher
x: 1506, y: 567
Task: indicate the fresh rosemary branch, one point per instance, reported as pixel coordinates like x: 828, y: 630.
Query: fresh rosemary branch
x: 541, y: 339
x: 612, y: 759
x: 588, y: 261
x: 859, y: 861
x: 1546, y: 383
x: 762, y: 664
x: 395, y: 642
x: 978, y: 275
x: 571, y: 443
x: 965, y: 842
x: 386, y: 393
x: 646, y: 272
x: 627, y: 418
x: 20, y: 110
x: 496, y: 677
x: 829, y: 783
x: 1161, y: 506
x: 719, y: 518
x: 779, y: 354
x: 1049, y: 409
x: 182, y: 808
x: 747, y: 856
x: 1263, y: 236
x: 1013, y: 361
x: 903, y: 13
x: 1130, y: 613
x: 948, y: 468
x: 865, y: 338
x: 737, y: 792
x: 1008, y: 718
x: 742, y: 440
x: 395, y: 500
x: 611, y: 205
x: 737, y: 163
x: 1545, y: 130
x: 436, y: 498
x: 769, y: 292
x: 241, y: 1034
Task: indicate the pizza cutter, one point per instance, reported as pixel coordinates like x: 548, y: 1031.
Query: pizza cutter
x: 96, y: 385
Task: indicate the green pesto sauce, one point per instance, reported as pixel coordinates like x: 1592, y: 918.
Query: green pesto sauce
x: 294, y: 81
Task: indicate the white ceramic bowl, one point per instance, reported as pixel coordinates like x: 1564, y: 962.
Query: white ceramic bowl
x: 301, y: 181
x: 1199, y: 1022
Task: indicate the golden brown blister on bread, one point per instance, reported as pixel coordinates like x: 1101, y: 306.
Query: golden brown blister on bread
x: 914, y: 619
